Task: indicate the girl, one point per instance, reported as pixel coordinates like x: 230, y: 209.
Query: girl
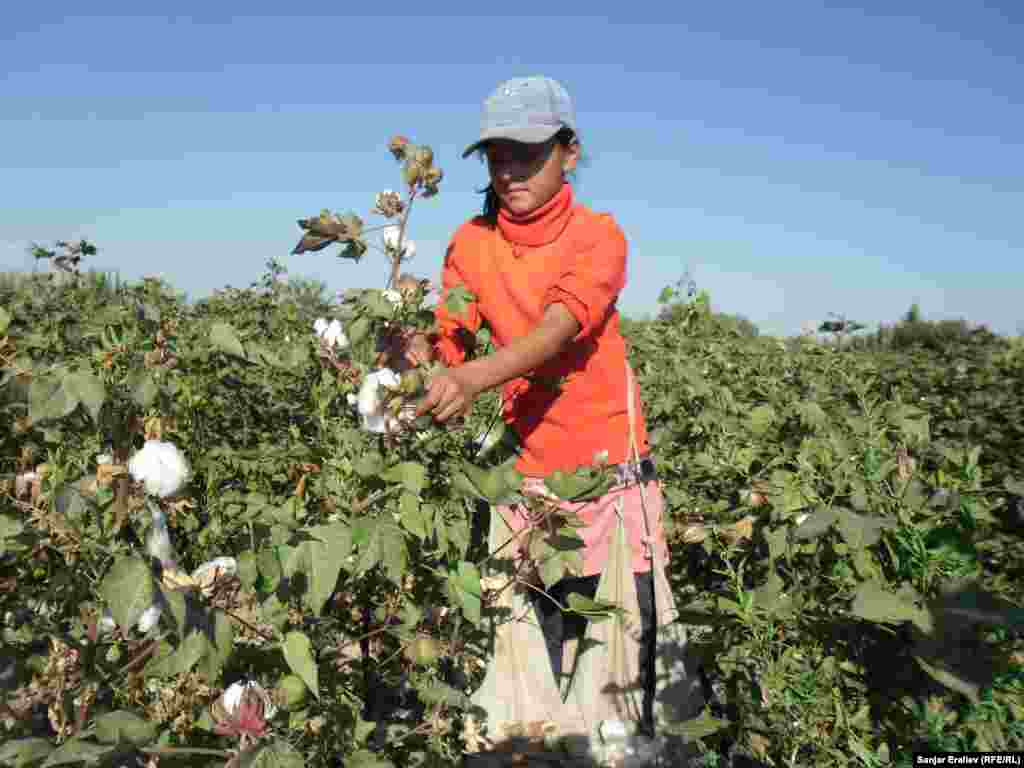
x: 546, y: 272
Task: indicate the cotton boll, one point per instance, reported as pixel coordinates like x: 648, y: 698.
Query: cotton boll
x: 393, y: 296
x: 390, y: 238
x: 369, y: 402
x: 149, y: 618
x: 106, y: 624
x: 161, y: 467
x: 320, y: 326
x: 335, y: 336
x: 231, y: 699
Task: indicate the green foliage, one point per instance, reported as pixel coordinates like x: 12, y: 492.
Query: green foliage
x: 844, y: 527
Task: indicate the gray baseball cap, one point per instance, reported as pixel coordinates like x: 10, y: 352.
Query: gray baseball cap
x: 527, y: 109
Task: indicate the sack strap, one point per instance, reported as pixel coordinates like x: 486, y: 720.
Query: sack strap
x: 630, y: 407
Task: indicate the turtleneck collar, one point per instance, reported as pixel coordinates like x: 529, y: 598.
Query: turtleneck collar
x: 541, y: 226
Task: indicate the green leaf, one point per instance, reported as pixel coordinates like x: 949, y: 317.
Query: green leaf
x: 298, y: 653
x: 465, y: 582
x: 77, y: 751
x: 86, y: 388
x: 874, y: 603
x: 595, y: 610
x: 48, y: 399
x: 128, y: 590
x: 384, y: 543
x: 177, y: 603
x: 776, y: 540
x: 811, y: 415
x: 224, y: 338
x: 262, y: 354
x: 25, y: 753
x: 270, y: 570
x: 248, y: 572
x: 143, y: 387
x: 437, y: 692
x: 9, y: 528
x: 761, y: 419
x: 369, y: 464
x: 181, y: 659
x: 366, y: 759
x: 860, y: 531
x: 816, y: 524
x: 5, y: 320
x: 378, y: 306
x: 498, y: 485
x: 769, y: 597
x: 358, y: 330
x: 699, y: 727
x: 220, y: 643
x: 458, y: 300
x: 123, y: 727
x: 277, y: 754
x: 582, y: 485
x: 320, y: 558
x: 415, y: 518
x: 410, y: 474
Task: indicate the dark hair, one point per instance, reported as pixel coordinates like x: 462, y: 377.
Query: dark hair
x: 565, y: 136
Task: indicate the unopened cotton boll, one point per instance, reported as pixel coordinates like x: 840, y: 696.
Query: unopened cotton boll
x: 161, y: 467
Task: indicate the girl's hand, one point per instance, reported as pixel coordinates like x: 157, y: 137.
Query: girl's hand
x: 450, y: 393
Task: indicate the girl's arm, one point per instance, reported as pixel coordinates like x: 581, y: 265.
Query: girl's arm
x: 453, y: 392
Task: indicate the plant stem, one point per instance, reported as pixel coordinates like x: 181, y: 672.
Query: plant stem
x: 185, y: 751
x: 359, y: 506
x: 361, y: 638
x: 396, y: 263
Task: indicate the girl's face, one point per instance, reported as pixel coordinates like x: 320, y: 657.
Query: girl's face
x: 525, y: 176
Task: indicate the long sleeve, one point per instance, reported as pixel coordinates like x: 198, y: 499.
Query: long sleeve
x: 593, y: 277
x: 455, y: 334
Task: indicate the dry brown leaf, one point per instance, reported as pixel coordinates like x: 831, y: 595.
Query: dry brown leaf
x: 740, y: 530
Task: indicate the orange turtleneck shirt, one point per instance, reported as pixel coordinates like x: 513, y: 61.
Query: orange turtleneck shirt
x: 561, y: 253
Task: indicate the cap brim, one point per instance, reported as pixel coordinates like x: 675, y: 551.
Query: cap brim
x: 531, y: 134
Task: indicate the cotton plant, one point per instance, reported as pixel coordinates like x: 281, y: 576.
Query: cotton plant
x: 163, y: 470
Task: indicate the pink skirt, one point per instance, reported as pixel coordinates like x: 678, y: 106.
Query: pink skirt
x: 600, y: 518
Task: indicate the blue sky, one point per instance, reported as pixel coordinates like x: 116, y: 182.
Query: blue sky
x: 797, y: 158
